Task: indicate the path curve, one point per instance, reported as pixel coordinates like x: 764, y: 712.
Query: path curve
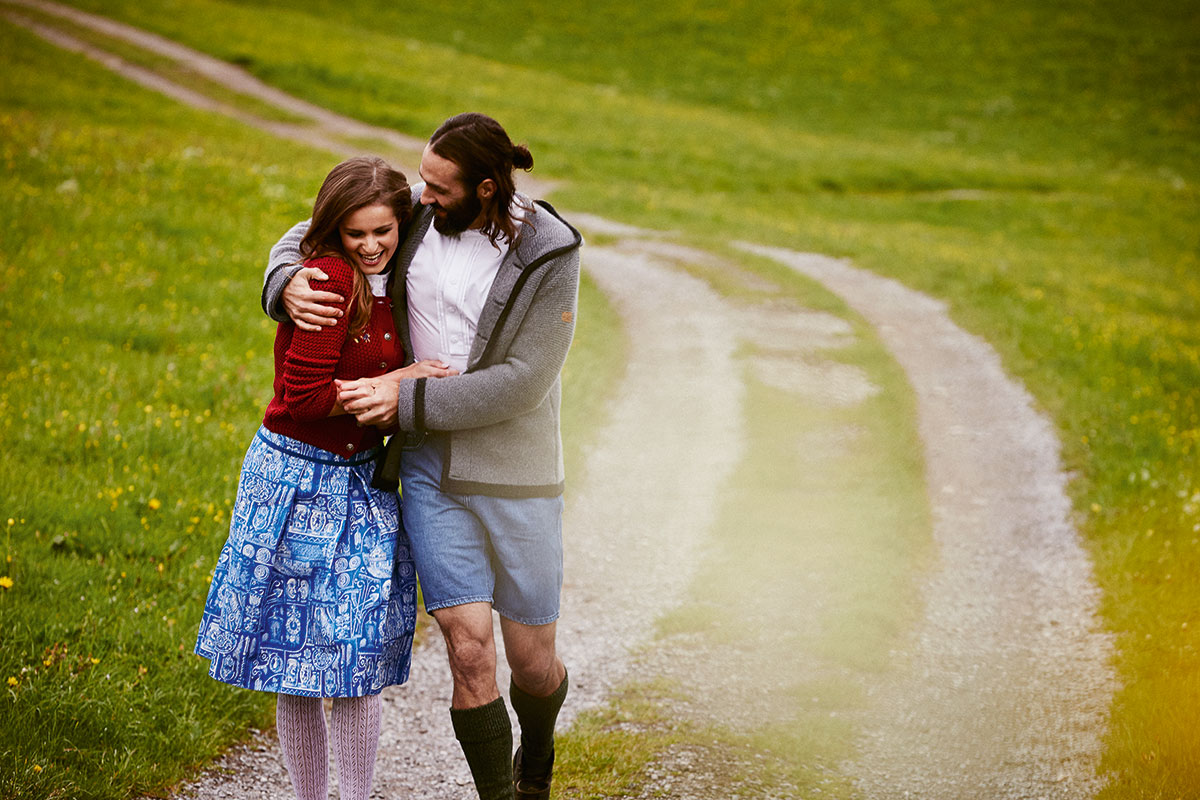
x: 1003, y: 689
x: 1005, y: 686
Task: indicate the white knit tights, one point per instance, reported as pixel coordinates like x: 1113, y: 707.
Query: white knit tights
x: 300, y: 722
x: 354, y: 725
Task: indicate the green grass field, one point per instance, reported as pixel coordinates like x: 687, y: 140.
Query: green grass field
x: 134, y: 367
x: 1033, y: 164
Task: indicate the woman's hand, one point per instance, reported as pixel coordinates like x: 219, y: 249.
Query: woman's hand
x: 373, y: 401
x: 305, y: 305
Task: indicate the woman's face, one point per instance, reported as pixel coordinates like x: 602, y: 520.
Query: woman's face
x: 370, y: 235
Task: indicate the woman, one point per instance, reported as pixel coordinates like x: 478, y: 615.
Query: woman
x: 314, y: 593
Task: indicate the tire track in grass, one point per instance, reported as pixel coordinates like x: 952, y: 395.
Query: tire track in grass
x: 325, y: 129
x: 1003, y: 691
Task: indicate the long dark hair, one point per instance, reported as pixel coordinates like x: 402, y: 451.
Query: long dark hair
x: 481, y: 149
x: 351, y: 185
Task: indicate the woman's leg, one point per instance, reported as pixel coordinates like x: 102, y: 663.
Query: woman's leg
x: 355, y: 727
x: 300, y: 722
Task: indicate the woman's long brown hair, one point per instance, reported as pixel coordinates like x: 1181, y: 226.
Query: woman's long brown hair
x: 351, y: 185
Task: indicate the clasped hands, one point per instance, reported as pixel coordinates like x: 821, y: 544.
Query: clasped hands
x: 373, y: 401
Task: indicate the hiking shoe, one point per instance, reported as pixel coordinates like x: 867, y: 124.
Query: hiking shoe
x: 530, y: 785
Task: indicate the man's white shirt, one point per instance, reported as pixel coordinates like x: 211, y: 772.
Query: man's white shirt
x: 448, y: 284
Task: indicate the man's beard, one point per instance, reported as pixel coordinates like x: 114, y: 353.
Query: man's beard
x: 459, y: 216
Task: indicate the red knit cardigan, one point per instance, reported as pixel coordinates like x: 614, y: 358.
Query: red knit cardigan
x: 307, y: 362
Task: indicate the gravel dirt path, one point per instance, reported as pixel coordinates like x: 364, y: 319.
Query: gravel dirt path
x: 1001, y: 692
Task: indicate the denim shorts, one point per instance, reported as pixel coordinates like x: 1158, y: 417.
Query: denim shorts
x: 476, y: 548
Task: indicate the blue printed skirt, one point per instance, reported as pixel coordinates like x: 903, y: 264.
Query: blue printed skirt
x: 314, y: 592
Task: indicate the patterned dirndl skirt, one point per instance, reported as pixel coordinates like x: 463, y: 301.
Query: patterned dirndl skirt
x: 315, y: 591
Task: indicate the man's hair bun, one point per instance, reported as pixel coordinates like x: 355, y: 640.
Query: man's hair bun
x: 522, y: 158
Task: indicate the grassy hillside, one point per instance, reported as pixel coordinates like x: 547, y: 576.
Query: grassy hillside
x: 135, y: 368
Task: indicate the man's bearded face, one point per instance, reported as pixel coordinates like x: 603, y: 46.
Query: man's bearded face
x: 453, y: 219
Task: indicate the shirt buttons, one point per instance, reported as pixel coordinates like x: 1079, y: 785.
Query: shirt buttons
x: 349, y: 447
x: 387, y: 336
x: 383, y: 365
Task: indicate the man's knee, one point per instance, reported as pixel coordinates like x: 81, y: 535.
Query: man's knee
x: 534, y: 661
x: 532, y: 656
x: 469, y: 643
x: 470, y: 657
x: 538, y: 677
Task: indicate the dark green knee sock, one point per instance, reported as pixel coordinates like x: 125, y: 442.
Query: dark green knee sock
x: 485, y: 735
x: 537, y: 716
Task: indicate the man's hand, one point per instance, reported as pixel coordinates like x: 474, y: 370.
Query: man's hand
x: 373, y: 401
x: 305, y: 304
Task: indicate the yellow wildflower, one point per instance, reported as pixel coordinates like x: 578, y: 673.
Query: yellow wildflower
x: 6, y: 582
x: 37, y: 767
x: 12, y: 681
x: 155, y: 504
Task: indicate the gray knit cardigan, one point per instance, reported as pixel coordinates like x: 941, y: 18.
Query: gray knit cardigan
x: 502, y: 414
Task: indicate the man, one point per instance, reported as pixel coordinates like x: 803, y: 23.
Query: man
x: 487, y: 283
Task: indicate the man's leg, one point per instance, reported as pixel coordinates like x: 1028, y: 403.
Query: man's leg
x: 476, y: 709
x: 450, y: 548
x: 535, y: 664
x: 467, y: 630
x: 539, y: 686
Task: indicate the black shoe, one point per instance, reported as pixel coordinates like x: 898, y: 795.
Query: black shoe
x: 528, y: 784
